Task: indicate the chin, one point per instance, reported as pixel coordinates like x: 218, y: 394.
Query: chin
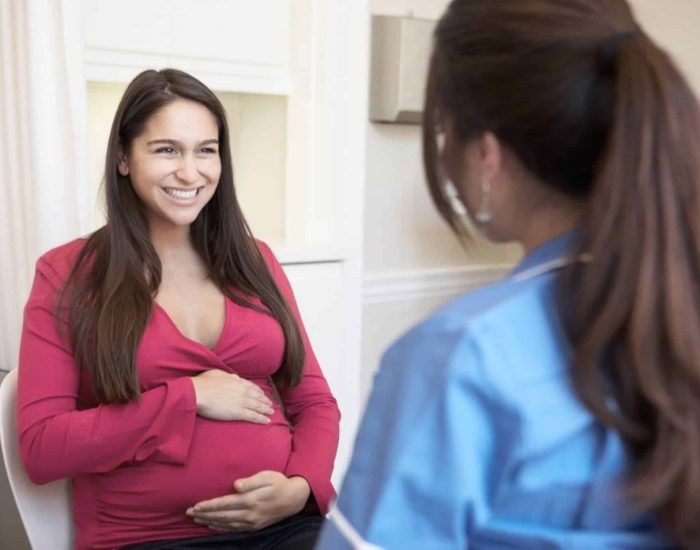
x: 181, y: 219
x: 183, y: 222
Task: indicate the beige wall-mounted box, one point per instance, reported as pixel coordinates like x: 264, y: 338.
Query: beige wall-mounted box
x: 400, y: 54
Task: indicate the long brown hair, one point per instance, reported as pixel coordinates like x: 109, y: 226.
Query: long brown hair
x: 595, y: 109
x: 110, y: 291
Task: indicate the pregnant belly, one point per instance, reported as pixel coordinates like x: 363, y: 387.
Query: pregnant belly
x: 220, y: 453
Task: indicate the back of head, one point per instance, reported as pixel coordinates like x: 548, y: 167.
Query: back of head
x: 595, y: 109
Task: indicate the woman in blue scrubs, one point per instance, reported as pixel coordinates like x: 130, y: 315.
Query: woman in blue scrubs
x: 559, y: 408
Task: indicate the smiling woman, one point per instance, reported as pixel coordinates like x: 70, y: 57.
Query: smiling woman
x: 156, y: 351
x: 174, y: 164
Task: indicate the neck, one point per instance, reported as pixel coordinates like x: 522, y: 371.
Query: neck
x: 545, y: 226
x: 168, y: 238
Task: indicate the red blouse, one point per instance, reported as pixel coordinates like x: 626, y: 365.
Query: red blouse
x: 137, y: 467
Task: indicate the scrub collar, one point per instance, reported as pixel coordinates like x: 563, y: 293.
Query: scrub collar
x: 550, y: 255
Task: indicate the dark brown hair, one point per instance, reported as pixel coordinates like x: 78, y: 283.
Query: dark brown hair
x: 110, y: 291
x: 595, y: 109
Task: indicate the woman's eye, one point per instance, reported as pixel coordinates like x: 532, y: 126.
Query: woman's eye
x: 166, y: 150
x: 209, y: 150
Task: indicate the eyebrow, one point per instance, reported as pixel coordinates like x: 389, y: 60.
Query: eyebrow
x: 175, y: 142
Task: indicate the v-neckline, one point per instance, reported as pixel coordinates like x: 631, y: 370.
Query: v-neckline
x: 197, y: 343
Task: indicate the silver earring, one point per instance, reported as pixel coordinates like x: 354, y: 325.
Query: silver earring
x: 484, y: 214
x: 452, y: 197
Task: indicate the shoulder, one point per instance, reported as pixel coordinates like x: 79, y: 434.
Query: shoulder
x: 496, y: 352
x: 262, y: 245
x: 495, y: 336
x: 267, y: 254
x: 271, y: 262
x: 59, y: 261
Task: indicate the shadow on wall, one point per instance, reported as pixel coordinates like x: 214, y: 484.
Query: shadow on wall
x: 12, y: 536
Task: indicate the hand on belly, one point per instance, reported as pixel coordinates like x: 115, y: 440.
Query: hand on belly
x: 258, y: 501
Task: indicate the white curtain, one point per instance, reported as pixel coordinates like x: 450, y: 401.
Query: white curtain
x: 43, y: 154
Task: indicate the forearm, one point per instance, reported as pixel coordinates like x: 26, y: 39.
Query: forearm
x: 55, y: 444
x: 314, y: 446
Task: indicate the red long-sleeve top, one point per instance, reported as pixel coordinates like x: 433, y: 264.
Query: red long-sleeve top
x: 137, y: 467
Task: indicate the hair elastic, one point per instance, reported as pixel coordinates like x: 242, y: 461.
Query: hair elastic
x: 607, y: 51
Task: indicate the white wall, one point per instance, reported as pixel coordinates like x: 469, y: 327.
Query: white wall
x: 675, y: 24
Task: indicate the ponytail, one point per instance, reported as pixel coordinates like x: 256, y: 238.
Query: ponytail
x: 633, y: 314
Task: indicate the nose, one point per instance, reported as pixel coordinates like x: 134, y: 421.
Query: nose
x: 187, y: 170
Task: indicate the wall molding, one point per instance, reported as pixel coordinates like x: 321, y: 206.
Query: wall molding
x: 415, y: 284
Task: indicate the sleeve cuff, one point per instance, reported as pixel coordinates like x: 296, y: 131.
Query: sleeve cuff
x: 177, y: 425
x: 321, y: 487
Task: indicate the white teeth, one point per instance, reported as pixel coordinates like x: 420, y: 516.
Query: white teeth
x: 180, y: 193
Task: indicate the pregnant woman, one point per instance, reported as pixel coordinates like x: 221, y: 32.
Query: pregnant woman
x: 164, y: 366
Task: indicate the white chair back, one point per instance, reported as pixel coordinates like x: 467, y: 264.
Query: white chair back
x: 45, y: 509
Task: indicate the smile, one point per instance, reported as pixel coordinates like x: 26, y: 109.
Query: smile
x: 181, y: 193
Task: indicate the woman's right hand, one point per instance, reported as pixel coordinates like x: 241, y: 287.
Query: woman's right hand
x: 224, y: 396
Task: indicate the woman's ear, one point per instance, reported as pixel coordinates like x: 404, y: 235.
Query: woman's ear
x: 122, y: 163
x: 491, y: 156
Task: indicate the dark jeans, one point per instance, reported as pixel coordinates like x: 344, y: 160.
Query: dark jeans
x: 294, y: 533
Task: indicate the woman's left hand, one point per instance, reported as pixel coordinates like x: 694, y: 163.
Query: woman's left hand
x: 259, y: 500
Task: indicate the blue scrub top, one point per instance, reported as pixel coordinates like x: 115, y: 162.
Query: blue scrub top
x: 474, y: 437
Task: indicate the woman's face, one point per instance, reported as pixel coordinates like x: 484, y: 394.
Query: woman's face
x: 174, y: 164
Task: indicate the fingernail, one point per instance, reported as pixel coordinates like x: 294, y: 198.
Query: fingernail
x: 189, y: 511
